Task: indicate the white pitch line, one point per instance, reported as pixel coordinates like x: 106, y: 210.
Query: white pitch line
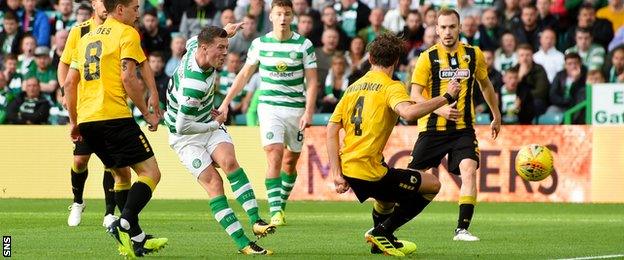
x: 593, y: 257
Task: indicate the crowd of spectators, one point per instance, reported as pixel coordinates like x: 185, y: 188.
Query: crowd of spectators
x: 541, y: 54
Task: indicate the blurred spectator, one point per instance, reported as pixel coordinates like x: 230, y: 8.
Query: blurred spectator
x: 302, y: 7
x: 14, y: 79
x: 548, y: 56
x: 353, y: 16
x: 304, y: 28
x: 199, y: 15
x: 12, y: 6
x: 356, y: 54
x: 228, y: 74
x: 174, y: 9
x: 515, y: 100
x: 545, y: 19
x: 495, y: 77
x: 83, y: 13
x: 242, y: 40
x: 60, y: 38
x: 376, y: 28
x: 329, y: 19
x: 600, y: 28
x: 154, y: 37
x: 64, y: 17
x: 431, y: 17
x: 533, y: 75
x: 470, y: 31
x: 506, y: 56
x: 58, y: 114
x: 484, y: 4
x: 467, y: 9
x: 6, y: 96
x: 394, y: 20
x: 568, y: 88
x: 615, y: 73
x: 614, y: 12
x: 510, y: 15
x: 225, y: 4
x: 29, y: 107
x: 323, y: 55
x: 36, y: 22
x: 489, y: 31
x: 429, y: 39
x: 618, y: 40
x: 45, y: 74
x: 594, y: 77
x: 227, y: 16
x: 529, y: 30
x: 11, y: 35
x: 177, y: 50
x: 336, y: 83
x: 413, y: 31
x: 256, y: 8
x: 25, y: 61
x: 593, y: 55
x: 157, y: 64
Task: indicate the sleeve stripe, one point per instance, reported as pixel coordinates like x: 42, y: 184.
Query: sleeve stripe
x: 191, y: 111
x: 310, y: 50
x: 194, y: 93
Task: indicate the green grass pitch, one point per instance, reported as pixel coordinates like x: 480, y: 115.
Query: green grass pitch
x: 324, y: 230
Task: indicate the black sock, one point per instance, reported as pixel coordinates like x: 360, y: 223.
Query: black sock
x: 379, y: 218
x: 404, y: 212
x: 121, y: 196
x: 138, y: 196
x: 465, y: 215
x: 78, y: 182
x: 108, y: 184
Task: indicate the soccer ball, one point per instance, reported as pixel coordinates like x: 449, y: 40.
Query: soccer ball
x: 534, y: 162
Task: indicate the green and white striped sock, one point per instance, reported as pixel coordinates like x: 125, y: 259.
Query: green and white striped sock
x: 244, y: 193
x: 274, y: 189
x: 225, y: 216
x: 288, y: 183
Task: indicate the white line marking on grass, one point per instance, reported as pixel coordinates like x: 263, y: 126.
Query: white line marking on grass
x: 593, y: 257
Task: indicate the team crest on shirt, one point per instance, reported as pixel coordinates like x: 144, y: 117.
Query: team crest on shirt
x: 281, y: 66
x: 293, y: 55
x: 466, y: 58
x: 197, y: 163
x: 454, y: 73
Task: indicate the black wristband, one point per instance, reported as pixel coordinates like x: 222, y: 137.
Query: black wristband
x: 449, y: 98
x: 62, y: 91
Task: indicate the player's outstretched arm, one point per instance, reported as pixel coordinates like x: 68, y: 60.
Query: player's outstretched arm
x: 413, y: 111
x: 312, y: 90
x: 333, y: 130
x: 448, y: 112
x: 71, y: 86
x: 492, y: 100
x: 239, y: 83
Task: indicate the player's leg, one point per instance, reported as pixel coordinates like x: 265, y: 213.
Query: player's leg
x: 79, y: 173
x: 288, y: 174
x: 464, y: 161
x: 108, y: 184
x: 211, y: 181
x: 222, y: 152
x: 122, y: 178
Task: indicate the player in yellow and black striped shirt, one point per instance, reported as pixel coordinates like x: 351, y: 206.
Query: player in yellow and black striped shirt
x: 450, y: 129
x: 367, y: 112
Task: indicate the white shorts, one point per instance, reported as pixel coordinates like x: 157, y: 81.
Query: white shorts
x: 194, y: 150
x: 280, y: 124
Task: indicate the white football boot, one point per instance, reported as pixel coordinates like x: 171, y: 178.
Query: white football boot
x: 464, y: 235
x: 75, y: 214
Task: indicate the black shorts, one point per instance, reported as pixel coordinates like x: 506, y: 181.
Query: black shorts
x: 82, y: 148
x: 431, y: 147
x: 117, y: 142
x: 396, y: 185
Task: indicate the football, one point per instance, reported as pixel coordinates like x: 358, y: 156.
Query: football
x: 534, y: 162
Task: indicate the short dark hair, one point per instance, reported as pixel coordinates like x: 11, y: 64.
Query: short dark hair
x: 448, y: 11
x: 157, y: 54
x: 111, y: 4
x: 281, y: 3
x: 573, y: 55
x: 584, y: 30
x: 10, y: 56
x: 208, y: 34
x: 514, y: 69
x: 10, y: 16
x: 525, y: 46
x: 151, y: 12
x: 386, y: 50
x: 85, y: 7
